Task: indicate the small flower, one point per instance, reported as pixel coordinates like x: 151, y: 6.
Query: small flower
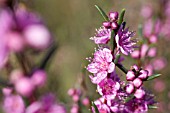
x: 13, y: 104
x: 136, y: 106
x: 108, y: 88
x: 102, y: 36
x: 46, y: 105
x: 124, y: 42
x: 101, y: 105
x: 101, y: 65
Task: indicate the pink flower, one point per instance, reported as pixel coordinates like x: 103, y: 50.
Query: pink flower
x: 103, y: 35
x: 13, y: 104
x: 46, y: 105
x: 108, y: 88
x: 102, y: 106
x: 124, y: 42
x: 101, y: 65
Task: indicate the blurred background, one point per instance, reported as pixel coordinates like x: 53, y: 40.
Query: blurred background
x: 72, y: 23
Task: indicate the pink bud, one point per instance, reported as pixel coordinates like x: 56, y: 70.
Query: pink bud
x: 143, y: 74
x: 15, y: 41
x: 152, y: 52
x: 139, y: 93
x: 130, y: 88
x: 130, y: 75
x: 113, y: 16
x: 144, y: 49
x: 135, y: 67
x: 37, y: 36
x: 6, y: 91
x: 74, y: 109
x: 153, y: 39
x: 135, y: 54
x: 107, y: 24
x: 137, y: 82
x: 39, y: 77
x: 86, y: 101
x: 75, y: 98
x: 71, y: 92
x: 24, y: 86
x: 114, y: 25
x: 149, y: 68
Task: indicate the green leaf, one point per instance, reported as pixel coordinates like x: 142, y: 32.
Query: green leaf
x: 153, y: 76
x: 121, y: 17
x: 129, y: 98
x: 152, y: 107
x: 105, y: 17
x: 95, y: 107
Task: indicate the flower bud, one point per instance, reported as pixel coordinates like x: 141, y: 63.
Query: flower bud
x: 6, y: 91
x: 39, y: 77
x: 75, y: 98
x: 114, y: 25
x: 86, y: 101
x: 135, y: 67
x: 135, y: 54
x: 107, y: 25
x: 143, y: 74
x: 37, y: 36
x: 24, y: 86
x: 15, y: 42
x: 153, y: 39
x: 137, y: 82
x: 129, y: 88
x: 139, y: 93
x: 71, y: 92
x: 130, y: 75
x: 152, y: 52
x: 113, y: 16
x: 74, y: 109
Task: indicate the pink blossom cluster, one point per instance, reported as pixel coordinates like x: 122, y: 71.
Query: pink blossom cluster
x: 78, y: 100
x: 22, y: 32
x: 117, y: 95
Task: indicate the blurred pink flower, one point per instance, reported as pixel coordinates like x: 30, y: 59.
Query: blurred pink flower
x: 13, y: 104
x: 146, y: 11
x: 159, y: 63
x: 159, y: 85
x: 46, y: 104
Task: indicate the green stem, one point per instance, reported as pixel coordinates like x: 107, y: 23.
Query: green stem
x: 121, y: 67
